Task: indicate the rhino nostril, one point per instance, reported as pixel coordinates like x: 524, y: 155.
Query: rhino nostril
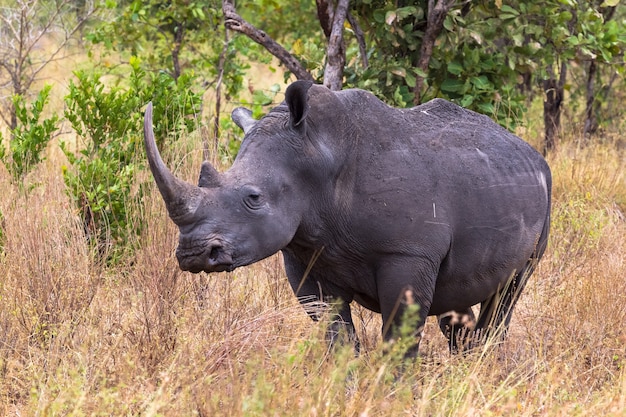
x: 215, y: 253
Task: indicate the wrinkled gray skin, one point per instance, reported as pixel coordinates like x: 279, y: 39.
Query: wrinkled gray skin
x: 434, y: 205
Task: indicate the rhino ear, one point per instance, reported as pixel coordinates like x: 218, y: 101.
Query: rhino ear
x: 209, y: 177
x: 297, y: 99
x: 243, y: 118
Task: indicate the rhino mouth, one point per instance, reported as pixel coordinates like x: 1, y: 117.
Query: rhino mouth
x: 213, y: 259
x: 220, y: 268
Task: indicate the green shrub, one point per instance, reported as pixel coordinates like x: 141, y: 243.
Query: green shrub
x: 107, y: 119
x: 29, y: 138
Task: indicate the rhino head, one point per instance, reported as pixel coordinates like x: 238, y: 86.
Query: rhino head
x: 247, y: 213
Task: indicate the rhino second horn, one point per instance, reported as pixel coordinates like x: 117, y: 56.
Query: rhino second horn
x: 243, y: 118
x: 181, y: 198
x: 209, y: 177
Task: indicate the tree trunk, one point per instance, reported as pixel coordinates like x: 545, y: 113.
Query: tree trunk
x: 590, y: 120
x: 325, y: 13
x: 335, y: 51
x: 360, y: 37
x: 179, y: 34
x: 553, y: 90
x: 591, y: 124
x: 437, y: 13
x: 211, y: 149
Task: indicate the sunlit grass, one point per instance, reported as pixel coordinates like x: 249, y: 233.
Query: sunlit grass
x: 82, y: 339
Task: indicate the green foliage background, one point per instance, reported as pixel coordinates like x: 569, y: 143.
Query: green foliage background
x: 30, y: 137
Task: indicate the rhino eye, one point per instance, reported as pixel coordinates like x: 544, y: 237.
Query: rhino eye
x: 253, y: 201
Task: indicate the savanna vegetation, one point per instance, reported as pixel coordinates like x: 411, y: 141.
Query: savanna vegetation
x: 97, y: 319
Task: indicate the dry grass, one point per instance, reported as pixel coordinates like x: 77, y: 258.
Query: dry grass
x: 81, y: 339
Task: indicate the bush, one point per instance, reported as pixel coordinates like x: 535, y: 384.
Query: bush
x: 102, y: 181
x: 29, y: 138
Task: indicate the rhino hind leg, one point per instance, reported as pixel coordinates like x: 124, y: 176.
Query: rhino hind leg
x: 496, y: 312
x: 464, y: 332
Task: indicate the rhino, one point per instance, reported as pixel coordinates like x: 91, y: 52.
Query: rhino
x: 433, y: 206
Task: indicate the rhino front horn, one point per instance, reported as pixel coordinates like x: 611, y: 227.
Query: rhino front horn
x: 181, y: 198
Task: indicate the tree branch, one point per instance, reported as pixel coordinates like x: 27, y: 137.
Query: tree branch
x: 179, y: 35
x: 218, y: 101
x: 25, y: 30
x: 235, y: 22
x: 325, y: 14
x: 360, y: 38
x: 590, y: 125
x: 436, y: 16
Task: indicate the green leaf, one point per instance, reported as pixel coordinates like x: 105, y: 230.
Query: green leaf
x: 199, y: 13
x: 399, y: 71
x: 404, y: 12
x: 410, y: 79
x: 564, y: 16
x: 379, y: 16
x: 487, y: 108
x: 467, y: 101
x: 452, y: 85
x: 420, y: 72
x: 455, y: 68
x: 481, y: 83
x: 508, y: 9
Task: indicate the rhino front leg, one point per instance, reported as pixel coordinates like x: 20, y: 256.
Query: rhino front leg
x: 317, y: 302
x: 405, y: 305
x: 341, y: 329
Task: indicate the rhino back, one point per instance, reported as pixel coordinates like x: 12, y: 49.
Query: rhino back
x: 439, y: 182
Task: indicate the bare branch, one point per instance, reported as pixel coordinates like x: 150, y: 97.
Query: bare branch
x: 325, y: 14
x: 235, y: 22
x: 69, y: 34
x: 207, y: 152
x: 360, y: 38
x: 22, y: 32
x: 8, y: 23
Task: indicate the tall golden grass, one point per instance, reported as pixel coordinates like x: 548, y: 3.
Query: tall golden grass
x: 78, y: 338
